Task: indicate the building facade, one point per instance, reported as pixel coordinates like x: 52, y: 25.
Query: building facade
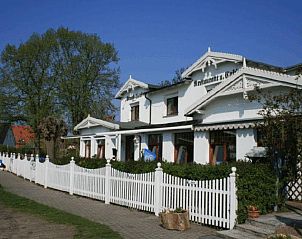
x: 206, y: 118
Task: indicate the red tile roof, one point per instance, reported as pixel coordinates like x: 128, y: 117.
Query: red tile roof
x: 23, y: 135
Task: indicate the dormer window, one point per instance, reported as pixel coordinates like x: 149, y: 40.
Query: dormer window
x: 172, y: 106
x: 135, y: 112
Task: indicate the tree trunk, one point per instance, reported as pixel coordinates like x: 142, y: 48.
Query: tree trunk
x: 50, y: 149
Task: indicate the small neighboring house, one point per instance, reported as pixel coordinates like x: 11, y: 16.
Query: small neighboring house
x: 6, y: 135
x: 92, y: 145
x: 15, y: 135
x: 23, y: 135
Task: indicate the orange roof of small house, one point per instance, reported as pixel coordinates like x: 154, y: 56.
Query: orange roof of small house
x: 23, y: 134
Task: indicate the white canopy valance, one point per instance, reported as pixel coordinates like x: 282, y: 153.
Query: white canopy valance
x: 224, y: 126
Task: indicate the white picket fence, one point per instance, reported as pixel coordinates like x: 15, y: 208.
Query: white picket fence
x: 209, y: 202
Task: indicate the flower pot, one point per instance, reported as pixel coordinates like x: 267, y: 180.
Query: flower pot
x: 175, y: 221
x: 253, y: 214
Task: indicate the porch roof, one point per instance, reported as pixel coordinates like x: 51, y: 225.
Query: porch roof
x: 147, y: 130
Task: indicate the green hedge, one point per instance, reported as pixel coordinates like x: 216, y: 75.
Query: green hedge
x: 255, y: 182
x: 23, y: 150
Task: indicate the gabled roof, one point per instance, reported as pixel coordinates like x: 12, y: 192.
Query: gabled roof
x: 211, y: 58
x: 131, y: 84
x: 23, y: 134
x: 245, y: 79
x: 93, y: 122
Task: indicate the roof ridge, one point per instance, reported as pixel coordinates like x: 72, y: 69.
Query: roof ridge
x: 227, y: 53
x: 269, y: 72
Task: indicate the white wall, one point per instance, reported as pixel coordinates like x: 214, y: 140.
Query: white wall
x: 245, y: 141
x: 125, y: 106
x: 93, y: 130
x: 231, y: 108
x: 110, y: 143
x: 187, y: 95
x: 201, y: 147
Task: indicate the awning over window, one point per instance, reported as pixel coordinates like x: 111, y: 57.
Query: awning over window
x: 223, y: 126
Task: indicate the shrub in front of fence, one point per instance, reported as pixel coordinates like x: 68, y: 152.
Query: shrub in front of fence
x: 255, y: 182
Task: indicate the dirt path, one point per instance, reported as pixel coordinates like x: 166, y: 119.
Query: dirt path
x: 15, y: 224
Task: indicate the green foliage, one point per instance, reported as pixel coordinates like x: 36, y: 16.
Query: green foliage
x: 281, y: 129
x: 256, y: 184
x: 60, y: 72
x: 85, y: 74
x: 84, y: 227
x: 179, y: 210
x: 22, y: 150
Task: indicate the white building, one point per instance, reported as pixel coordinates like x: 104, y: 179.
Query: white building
x: 206, y: 118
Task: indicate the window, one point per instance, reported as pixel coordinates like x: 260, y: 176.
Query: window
x: 155, y: 145
x: 222, y: 146
x: 101, y: 149
x: 135, y: 113
x: 172, y: 106
x: 184, y: 147
x: 87, y: 149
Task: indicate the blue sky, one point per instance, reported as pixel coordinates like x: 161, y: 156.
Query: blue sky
x: 155, y: 38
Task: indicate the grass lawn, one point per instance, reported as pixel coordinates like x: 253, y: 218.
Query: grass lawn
x: 84, y: 227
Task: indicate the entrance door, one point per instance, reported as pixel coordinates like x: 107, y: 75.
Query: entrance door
x: 129, y: 148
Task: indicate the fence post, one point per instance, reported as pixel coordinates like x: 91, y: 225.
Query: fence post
x: 36, y: 168
x: 107, y: 182
x: 233, y: 198
x: 158, y: 189
x: 25, y: 164
x: 17, y: 156
x: 71, y: 175
x: 46, y: 171
x: 32, y: 161
x: 10, y: 157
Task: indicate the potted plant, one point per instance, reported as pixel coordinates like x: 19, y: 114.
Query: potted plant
x: 175, y: 219
x: 253, y: 211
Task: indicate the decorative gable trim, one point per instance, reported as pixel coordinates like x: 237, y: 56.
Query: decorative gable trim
x: 129, y: 86
x: 211, y: 58
x: 93, y: 122
x: 245, y: 79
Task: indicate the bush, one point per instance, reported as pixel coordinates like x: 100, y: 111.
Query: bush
x: 24, y: 150
x: 256, y: 183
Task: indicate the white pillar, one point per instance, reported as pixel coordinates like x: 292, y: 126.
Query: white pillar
x: 137, y: 142
x: 46, y: 171
x: 82, y: 148
x: 233, y: 198
x: 201, y: 147
x: 109, y: 145
x: 245, y: 141
x: 168, y: 147
x: 119, y: 148
x: 36, y: 168
x: 158, y: 189
x: 93, y: 147
x: 71, y: 175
